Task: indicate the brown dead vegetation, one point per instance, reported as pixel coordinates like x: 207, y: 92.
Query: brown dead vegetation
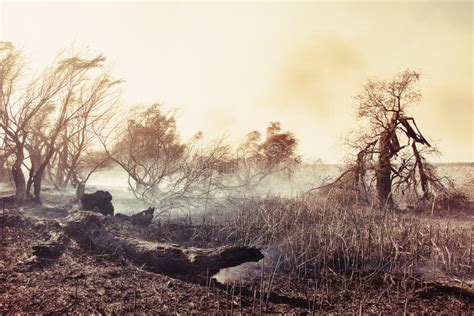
x: 390, y: 159
x: 319, y: 257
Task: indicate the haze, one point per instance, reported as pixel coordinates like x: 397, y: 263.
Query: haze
x: 232, y: 67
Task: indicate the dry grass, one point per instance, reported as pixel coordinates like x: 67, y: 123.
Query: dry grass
x: 332, y: 252
x: 321, y: 255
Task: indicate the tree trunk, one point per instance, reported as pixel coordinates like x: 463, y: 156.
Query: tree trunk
x: 80, y: 189
x: 384, y: 172
x: 19, y: 178
x: 105, y: 234
x: 3, y: 169
x: 37, y: 179
x: 35, y: 159
x: 61, y: 178
x: 29, y: 183
x: 38, y: 176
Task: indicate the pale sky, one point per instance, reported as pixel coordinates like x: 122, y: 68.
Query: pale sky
x: 231, y: 67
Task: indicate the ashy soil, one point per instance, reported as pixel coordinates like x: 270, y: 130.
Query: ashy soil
x: 106, y: 283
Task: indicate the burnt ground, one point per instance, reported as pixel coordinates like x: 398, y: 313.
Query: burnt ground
x: 105, y: 283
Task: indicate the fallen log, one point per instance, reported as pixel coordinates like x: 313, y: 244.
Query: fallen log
x: 99, y: 233
x: 449, y: 287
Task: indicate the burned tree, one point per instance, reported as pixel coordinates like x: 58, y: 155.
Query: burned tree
x: 391, y: 150
x: 162, y: 170
x: 79, y: 155
x: 20, y: 103
x: 39, y: 116
x: 257, y: 158
x: 78, y: 105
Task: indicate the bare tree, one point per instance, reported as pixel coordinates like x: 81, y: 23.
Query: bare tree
x: 257, y: 158
x: 162, y: 170
x: 80, y: 155
x: 35, y: 115
x: 391, y: 149
x: 19, y: 105
x: 85, y: 101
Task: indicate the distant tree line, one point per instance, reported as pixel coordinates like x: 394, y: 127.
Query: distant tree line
x: 64, y: 124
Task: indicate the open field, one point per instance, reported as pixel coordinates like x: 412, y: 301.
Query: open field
x: 320, y: 256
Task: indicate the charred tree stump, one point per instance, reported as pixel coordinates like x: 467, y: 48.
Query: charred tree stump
x: 143, y: 218
x: 99, y: 201
x: 98, y: 233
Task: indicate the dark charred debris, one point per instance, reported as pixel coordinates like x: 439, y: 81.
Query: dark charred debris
x: 99, y: 201
x: 94, y: 229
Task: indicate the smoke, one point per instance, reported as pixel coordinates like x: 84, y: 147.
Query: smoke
x: 313, y: 88
x: 456, y: 132
x: 315, y: 72
x: 250, y: 271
